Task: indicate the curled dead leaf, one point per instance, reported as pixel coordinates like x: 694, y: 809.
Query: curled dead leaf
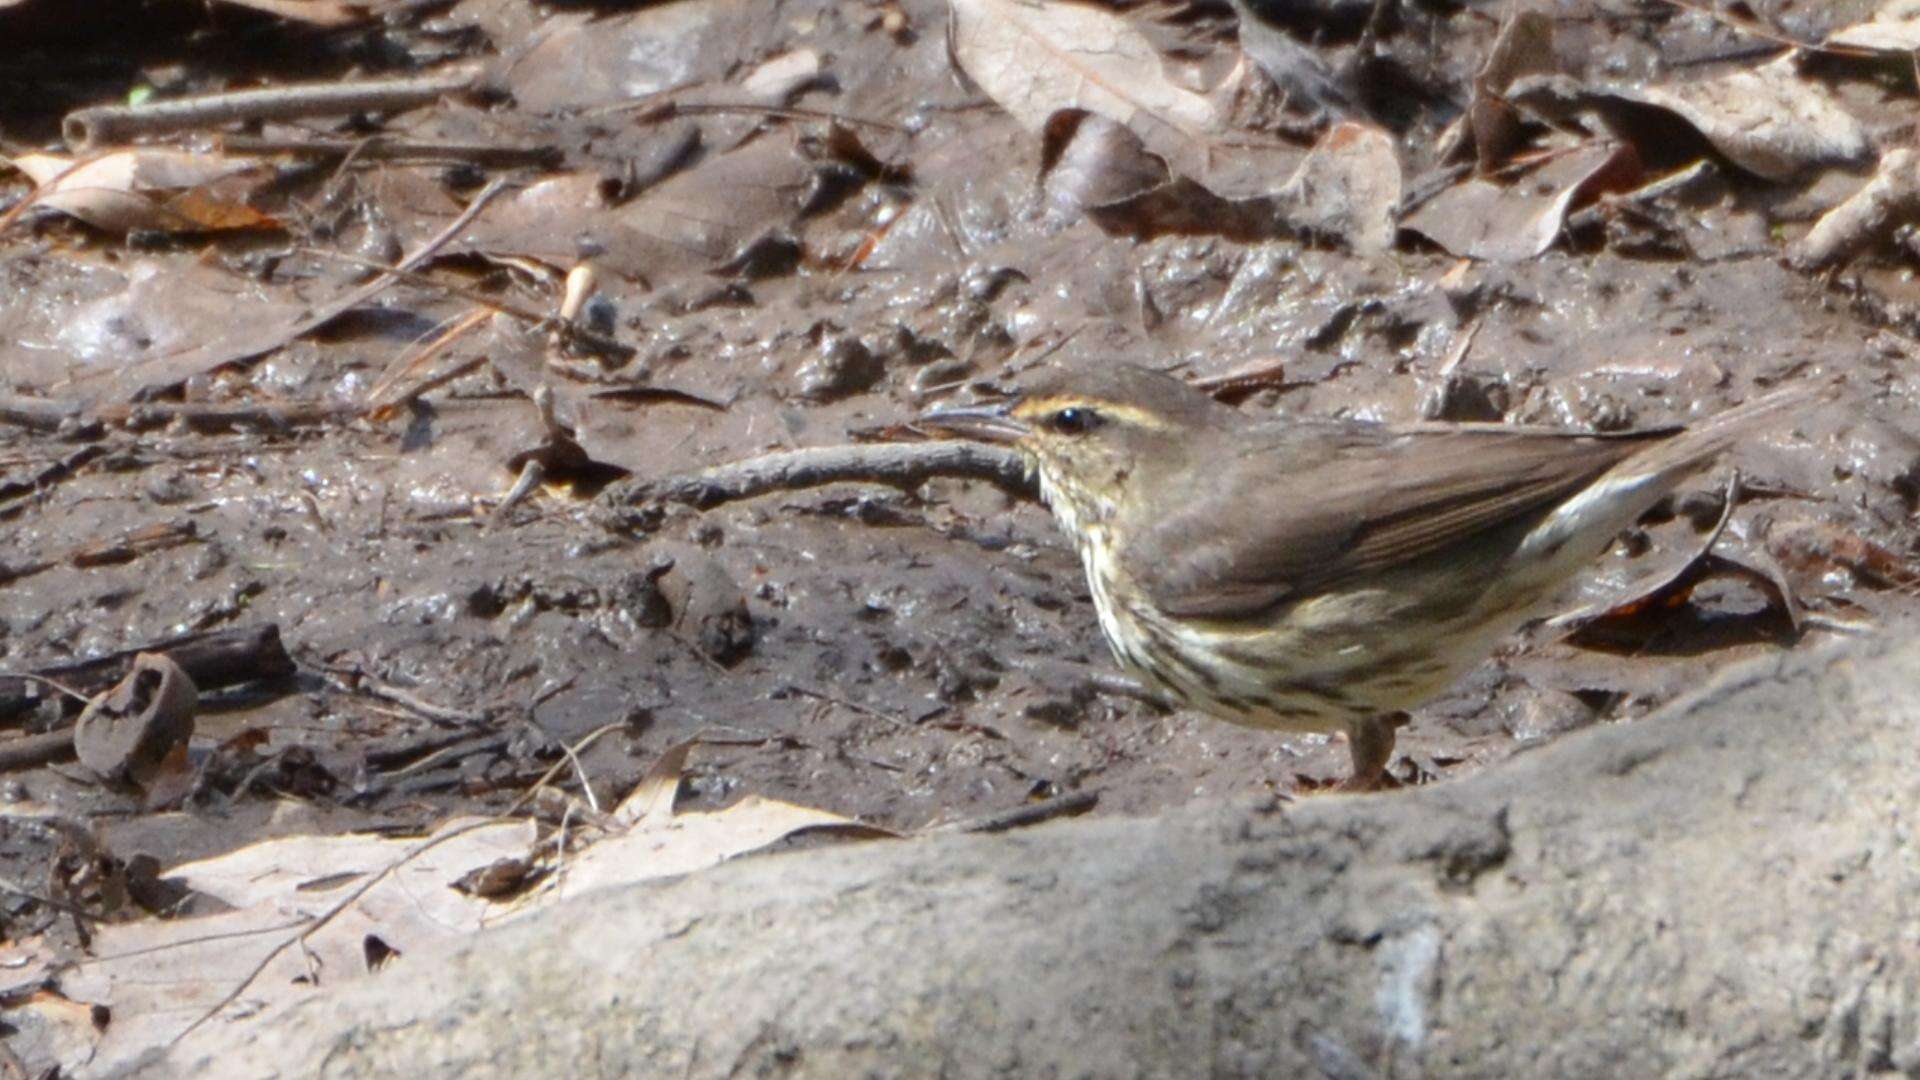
x: 1482, y: 218
x: 148, y: 188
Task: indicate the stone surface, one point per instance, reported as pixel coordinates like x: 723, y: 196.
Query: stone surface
x: 1727, y: 888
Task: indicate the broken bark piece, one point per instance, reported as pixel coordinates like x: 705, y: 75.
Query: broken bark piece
x: 127, y: 734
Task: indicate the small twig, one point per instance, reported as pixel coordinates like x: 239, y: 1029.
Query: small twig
x: 48, y: 415
x: 572, y: 757
x: 183, y: 943
x: 55, y: 683
x: 37, y: 414
x: 1760, y: 30
x: 14, y: 212
x: 902, y: 465
x: 17, y: 889
x: 273, y: 416
x: 117, y: 123
x: 1031, y: 814
x: 383, y: 149
x: 851, y: 706
x: 1888, y: 201
x: 382, y: 403
x: 463, y: 747
x: 677, y: 108
x: 439, y: 714
x: 532, y: 474
x: 573, y: 334
x: 1460, y: 350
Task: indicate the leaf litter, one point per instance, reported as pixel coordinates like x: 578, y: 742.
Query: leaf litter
x: 308, y: 912
x: 705, y: 249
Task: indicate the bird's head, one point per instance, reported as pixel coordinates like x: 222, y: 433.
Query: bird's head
x: 1095, y: 439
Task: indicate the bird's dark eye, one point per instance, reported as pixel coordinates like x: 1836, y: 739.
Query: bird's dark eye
x: 1074, y: 420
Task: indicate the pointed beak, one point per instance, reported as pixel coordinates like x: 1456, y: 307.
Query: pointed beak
x: 987, y: 423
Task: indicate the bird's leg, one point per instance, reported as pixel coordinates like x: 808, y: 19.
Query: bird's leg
x: 1370, y: 742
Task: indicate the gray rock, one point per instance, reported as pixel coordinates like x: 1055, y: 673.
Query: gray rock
x: 1728, y: 888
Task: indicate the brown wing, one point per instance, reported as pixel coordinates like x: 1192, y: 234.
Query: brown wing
x: 1311, y: 505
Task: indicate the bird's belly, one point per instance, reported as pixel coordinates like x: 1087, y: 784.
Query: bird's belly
x: 1319, y: 665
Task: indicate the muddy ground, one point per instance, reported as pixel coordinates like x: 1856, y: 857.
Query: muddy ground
x: 785, y: 280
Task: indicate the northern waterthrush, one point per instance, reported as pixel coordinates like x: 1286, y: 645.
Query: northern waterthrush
x: 1318, y: 574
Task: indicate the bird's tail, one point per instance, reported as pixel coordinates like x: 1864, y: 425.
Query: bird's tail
x: 1592, y: 518
x: 1671, y: 461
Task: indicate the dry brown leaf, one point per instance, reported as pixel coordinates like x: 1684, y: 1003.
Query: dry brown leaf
x: 354, y: 900
x: 160, y: 976
x: 1894, y: 29
x: 1482, y: 219
x: 1770, y: 121
x: 147, y: 188
x: 1037, y: 57
x: 1349, y: 187
x: 1099, y: 167
x: 1524, y: 47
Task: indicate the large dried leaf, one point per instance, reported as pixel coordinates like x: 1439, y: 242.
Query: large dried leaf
x: 684, y: 843
x: 1037, y: 57
x: 1770, y: 121
x: 578, y: 59
x: 352, y: 901
x: 281, y: 887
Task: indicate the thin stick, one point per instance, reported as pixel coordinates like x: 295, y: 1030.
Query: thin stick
x: 678, y: 108
x: 902, y: 465
x: 55, y: 683
x: 532, y: 475
x: 441, y: 339
x: 573, y: 334
x: 118, y: 123
x: 383, y: 149
x: 439, y: 714
x: 1072, y: 805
